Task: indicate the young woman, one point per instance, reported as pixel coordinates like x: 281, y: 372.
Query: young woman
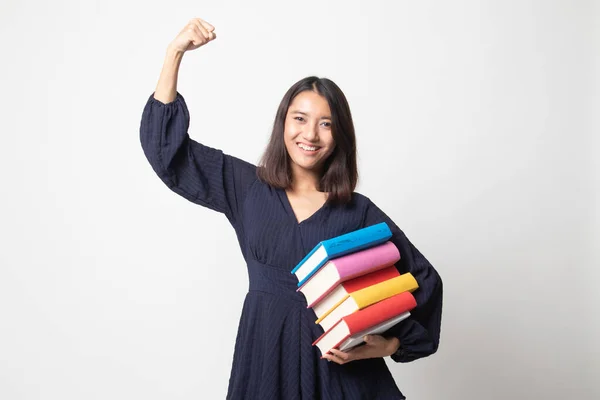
x: 302, y: 192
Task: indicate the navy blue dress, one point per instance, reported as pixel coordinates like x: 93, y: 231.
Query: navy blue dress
x: 274, y: 357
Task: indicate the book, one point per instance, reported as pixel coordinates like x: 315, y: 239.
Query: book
x: 339, y: 246
x: 358, y: 338
x: 347, y: 267
x: 367, y: 296
x: 342, y: 291
x: 349, y: 331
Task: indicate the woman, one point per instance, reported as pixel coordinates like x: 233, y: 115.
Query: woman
x: 302, y: 192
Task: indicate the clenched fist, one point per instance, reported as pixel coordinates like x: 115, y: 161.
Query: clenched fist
x: 196, y: 33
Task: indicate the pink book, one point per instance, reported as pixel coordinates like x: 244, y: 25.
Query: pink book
x: 347, y: 267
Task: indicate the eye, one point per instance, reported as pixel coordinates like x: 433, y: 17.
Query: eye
x: 327, y: 124
x: 299, y: 118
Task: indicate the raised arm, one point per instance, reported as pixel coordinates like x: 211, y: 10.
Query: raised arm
x: 199, y: 173
x: 195, y: 34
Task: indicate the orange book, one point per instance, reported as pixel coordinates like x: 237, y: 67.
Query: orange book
x: 367, y: 296
x: 345, y: 288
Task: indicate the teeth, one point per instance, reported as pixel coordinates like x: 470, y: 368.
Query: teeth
x: 305, y: 147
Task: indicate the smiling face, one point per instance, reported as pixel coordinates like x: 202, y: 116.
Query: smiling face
x: 308, y: 133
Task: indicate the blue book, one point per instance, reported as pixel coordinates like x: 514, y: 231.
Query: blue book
x: 339, y: 246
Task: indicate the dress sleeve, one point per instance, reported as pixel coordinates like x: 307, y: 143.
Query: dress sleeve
x: 199, y: 173
x: 419, y: 334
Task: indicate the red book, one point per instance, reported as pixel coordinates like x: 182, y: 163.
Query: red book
x: 349, y: 331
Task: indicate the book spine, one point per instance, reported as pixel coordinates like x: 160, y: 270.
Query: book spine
x: 370, y: 279
x: 380, y: 312
x: 372, y: 294
x: 357, y: 240
x: 365, y: 261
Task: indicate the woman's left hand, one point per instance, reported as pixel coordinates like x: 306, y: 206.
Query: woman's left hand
x: 375, y: 346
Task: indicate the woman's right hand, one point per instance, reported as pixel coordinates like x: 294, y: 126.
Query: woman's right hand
x: 195, y: 34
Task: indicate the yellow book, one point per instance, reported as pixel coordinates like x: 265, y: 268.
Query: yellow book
x: 365, y: 297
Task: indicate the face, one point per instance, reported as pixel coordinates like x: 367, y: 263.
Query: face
x: 307, y: 135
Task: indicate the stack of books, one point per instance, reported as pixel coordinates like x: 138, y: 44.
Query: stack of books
x: 353, y: 286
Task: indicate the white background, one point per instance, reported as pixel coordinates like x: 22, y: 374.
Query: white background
x: 477, y: 126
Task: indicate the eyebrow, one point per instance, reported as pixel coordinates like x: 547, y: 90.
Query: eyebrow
x: 303, y: 113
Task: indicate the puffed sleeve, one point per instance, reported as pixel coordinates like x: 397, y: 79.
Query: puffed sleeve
x: 419, y: 335
x: 201, y: 174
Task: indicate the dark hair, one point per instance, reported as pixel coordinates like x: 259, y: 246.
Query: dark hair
x: 340, y: 172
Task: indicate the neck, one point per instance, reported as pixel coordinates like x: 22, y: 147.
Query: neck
x: 304, y: 181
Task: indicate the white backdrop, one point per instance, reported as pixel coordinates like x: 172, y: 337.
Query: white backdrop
x: 477, y: 126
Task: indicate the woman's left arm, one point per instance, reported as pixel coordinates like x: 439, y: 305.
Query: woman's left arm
x: 419, y: 335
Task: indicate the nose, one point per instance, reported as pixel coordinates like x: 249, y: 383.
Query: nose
x: 311, y: 133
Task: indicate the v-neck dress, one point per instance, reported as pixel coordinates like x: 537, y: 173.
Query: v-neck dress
x: 273, y: 356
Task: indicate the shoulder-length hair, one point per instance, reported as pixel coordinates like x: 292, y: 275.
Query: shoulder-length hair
x: 340, y: 172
